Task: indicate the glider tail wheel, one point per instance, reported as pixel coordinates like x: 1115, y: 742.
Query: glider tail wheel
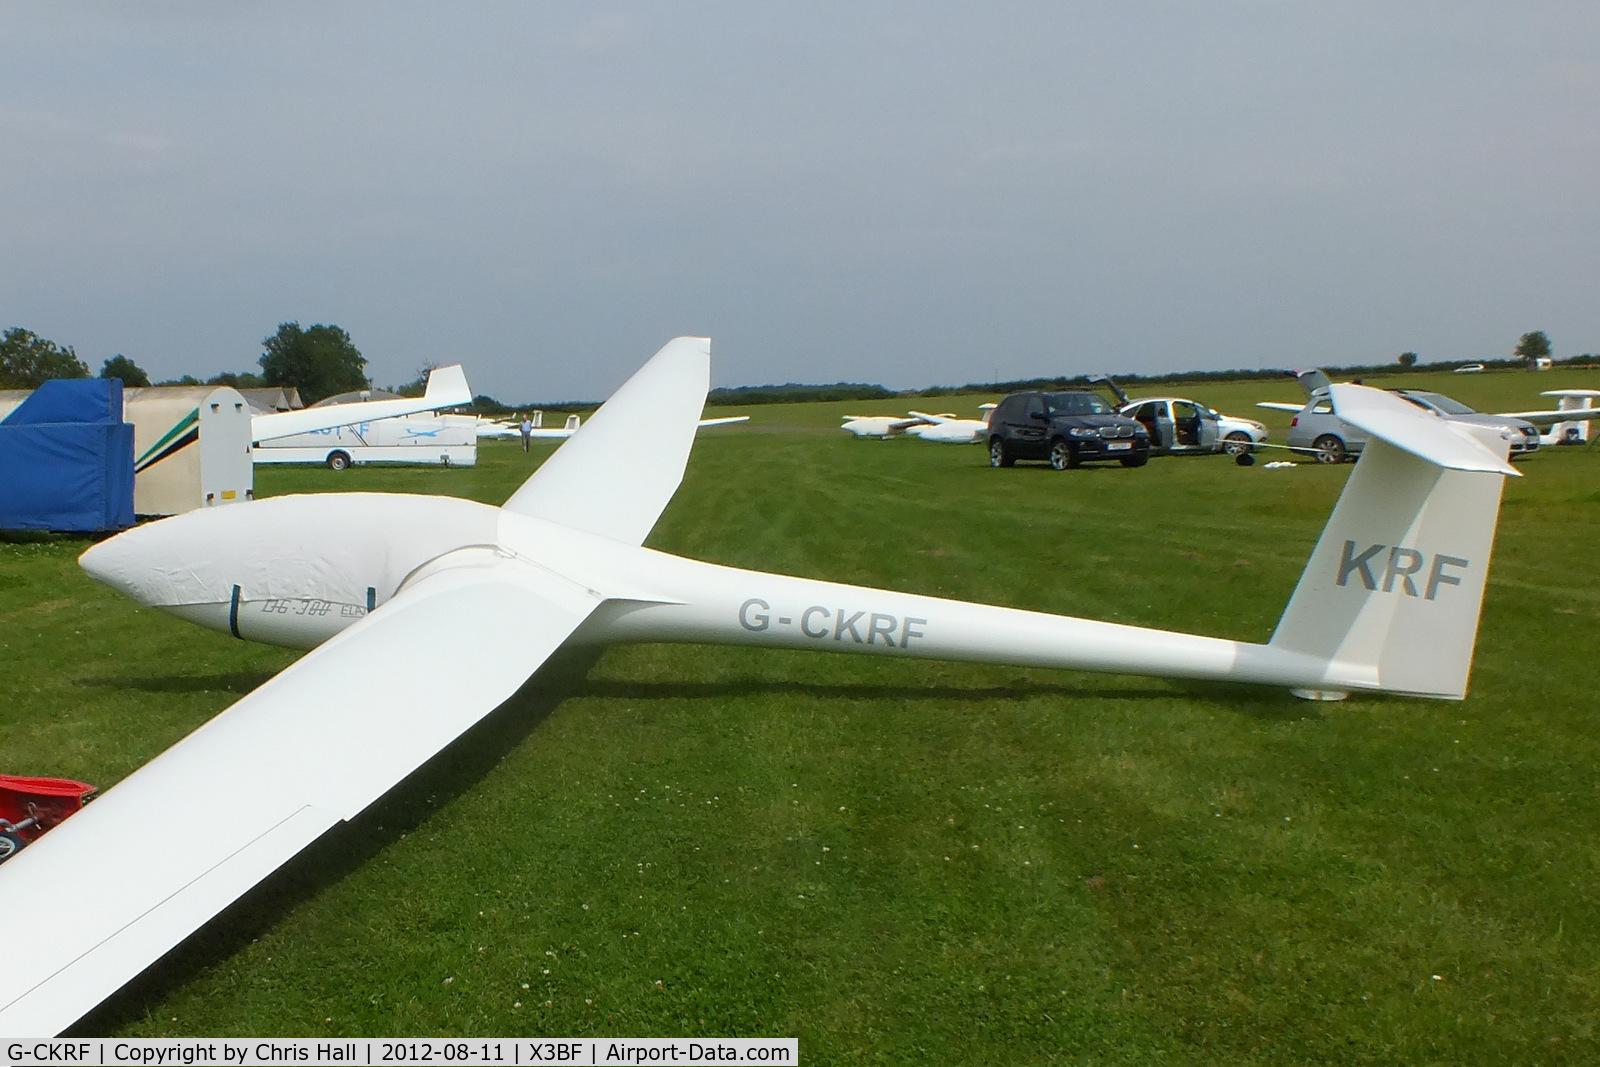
x: 10, y: 845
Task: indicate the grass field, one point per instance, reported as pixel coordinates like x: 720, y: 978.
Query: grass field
x: 897, y: 860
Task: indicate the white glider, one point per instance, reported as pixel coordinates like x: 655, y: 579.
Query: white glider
x: 884, y: 426
x: 949, y: 430
x: 1569, y: 423
x: 447, y: 388
x: 574, y: 423
x: 1389, y: 602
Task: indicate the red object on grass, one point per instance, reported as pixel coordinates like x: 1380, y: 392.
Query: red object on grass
x: 45, y: 800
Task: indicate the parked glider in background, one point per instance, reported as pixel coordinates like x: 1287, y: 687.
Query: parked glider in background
x: 428, y: 612
x: 949, y: 430
x: 882, y: 426
x: 1569, y: 423
x: 447, y: 388
x: 512, y: 430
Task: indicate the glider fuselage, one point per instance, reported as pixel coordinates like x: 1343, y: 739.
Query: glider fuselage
x: 248, y: 572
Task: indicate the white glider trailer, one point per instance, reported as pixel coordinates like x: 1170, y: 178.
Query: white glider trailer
x: 191, y: 448
x: 426, y: 440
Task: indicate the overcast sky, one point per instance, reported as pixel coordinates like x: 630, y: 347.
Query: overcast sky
x: 910, y: 194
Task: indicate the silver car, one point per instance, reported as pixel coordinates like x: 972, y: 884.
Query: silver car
x: 1318, y: 429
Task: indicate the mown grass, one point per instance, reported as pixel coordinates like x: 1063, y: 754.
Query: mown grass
x: 893, y: 859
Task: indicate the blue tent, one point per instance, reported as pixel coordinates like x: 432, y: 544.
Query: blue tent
x: 66, y: 459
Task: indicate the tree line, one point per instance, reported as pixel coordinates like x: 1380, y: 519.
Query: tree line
x: 319, y: 361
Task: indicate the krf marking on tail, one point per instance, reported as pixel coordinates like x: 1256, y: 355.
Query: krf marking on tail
x: 1402, y: 564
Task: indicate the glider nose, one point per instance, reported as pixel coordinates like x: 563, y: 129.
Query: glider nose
x: 159, y: 565
x: 118, y: 563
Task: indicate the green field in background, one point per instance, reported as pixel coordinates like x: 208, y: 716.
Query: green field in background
x: 1498, y: 390
x: 899, y: 860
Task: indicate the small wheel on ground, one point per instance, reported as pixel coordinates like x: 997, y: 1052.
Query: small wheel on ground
x: 1237, y: 443
x: 999, y: 454
x: 1136, y: 461
x: 1062, y: 455
x: 1330, y: 449
x: 338, y: 461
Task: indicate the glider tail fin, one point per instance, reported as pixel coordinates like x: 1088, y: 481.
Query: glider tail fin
x: 447, y: 387
x: 1391, y: 596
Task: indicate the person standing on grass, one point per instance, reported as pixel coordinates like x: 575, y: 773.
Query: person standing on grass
x: 527, y: 431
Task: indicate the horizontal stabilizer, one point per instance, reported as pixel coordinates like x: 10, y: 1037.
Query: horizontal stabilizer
x: 1453, y: 446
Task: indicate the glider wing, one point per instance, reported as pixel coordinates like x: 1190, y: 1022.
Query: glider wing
x: 1550, y: 418
x: 115, y: 887
x: 615, y: 476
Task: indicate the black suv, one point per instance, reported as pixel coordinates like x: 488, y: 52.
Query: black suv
x: 1065, y: 428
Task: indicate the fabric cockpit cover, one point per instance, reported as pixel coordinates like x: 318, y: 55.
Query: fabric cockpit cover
x: 66, y: 459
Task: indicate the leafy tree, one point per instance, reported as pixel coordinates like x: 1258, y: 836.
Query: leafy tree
x: 484, y: 404
x: 121, y: 367
x: 1408, y: 359
x: 1533, y: 346
x: 319, y: 361
x: 26, y: 360
x: 794, y: 393
x: 247, y: 380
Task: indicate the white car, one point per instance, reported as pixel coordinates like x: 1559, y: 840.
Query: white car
x: 1180, y: 426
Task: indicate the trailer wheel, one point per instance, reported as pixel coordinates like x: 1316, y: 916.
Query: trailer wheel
x: 338, y: 461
